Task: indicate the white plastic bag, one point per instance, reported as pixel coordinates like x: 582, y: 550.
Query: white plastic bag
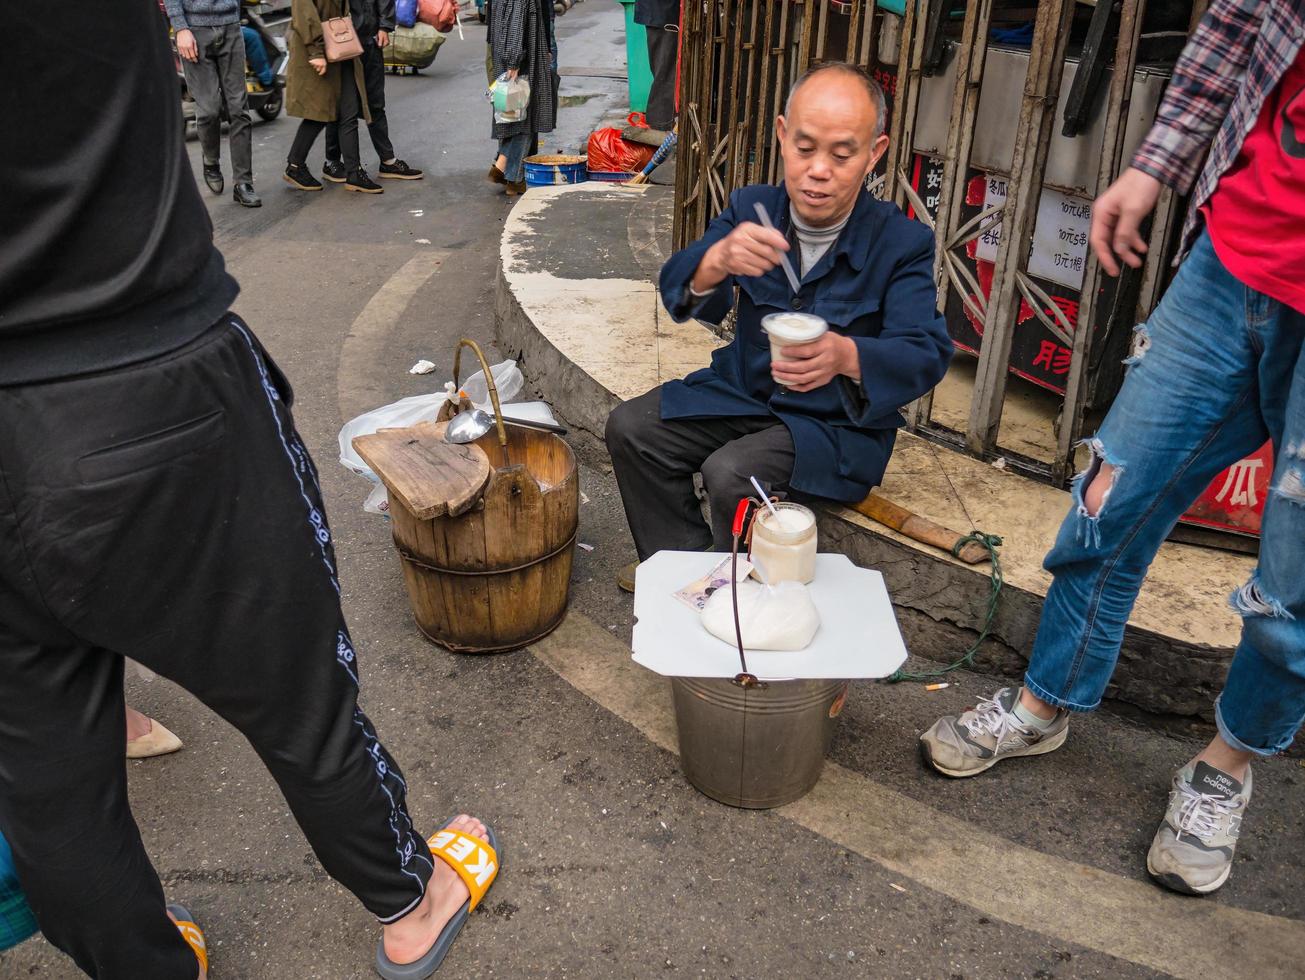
x: 420, y: 408
x: 772, y: 617
x: 510, y: 97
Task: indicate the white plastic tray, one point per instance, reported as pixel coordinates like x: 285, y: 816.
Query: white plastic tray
x: 858, y: 636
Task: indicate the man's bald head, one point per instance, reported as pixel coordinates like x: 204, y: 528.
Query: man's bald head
x: 830, y: 136
x: 845, y: 71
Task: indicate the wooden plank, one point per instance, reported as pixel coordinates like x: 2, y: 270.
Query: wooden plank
x: 426, y: 475
x: 1024, y: 187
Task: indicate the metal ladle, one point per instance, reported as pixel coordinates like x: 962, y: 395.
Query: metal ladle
x: 469, y: 426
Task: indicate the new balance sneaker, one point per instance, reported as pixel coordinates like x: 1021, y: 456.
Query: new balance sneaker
x: 1193, y: 849
x: 986, y: 734
x: 398, y: 170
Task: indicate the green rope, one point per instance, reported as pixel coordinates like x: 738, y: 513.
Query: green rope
x: 992, y: 542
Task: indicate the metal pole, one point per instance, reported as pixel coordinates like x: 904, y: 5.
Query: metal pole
x: 1033, y: 136
x: 1112, y: 149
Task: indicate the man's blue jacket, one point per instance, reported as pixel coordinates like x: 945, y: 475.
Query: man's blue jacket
x: 875, y: 285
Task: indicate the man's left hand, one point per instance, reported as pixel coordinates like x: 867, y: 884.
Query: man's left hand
x: 382, y: 38
x: 809, y: 366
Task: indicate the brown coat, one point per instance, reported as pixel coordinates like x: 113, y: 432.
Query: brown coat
x: 309, y: 95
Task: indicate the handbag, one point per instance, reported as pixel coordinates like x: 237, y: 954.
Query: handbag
x: 340, y: 39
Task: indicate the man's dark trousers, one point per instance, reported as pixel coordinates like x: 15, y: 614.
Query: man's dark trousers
x: 655, y: 460
x: 169, y: 512
x: 373, y: 61
x: 663, y: 52
x: 219, y: 76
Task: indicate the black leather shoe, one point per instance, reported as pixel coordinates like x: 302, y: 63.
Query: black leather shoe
x: 213, y: 177
x: 244, y: 195
x: 333, y: 170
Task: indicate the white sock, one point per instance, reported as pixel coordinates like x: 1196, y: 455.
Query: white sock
x: 1026, y: 717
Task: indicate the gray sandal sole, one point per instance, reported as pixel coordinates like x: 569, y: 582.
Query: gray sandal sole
x: 427, y: 965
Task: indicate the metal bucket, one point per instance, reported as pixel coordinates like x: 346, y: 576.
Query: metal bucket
x: 755, y: 747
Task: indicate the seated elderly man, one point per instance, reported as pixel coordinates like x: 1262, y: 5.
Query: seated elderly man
x: 822, y: 420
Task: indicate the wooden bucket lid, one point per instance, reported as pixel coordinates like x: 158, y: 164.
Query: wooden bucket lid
x: 429, y: 476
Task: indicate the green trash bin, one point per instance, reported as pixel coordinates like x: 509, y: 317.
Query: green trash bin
x: 636, y: 59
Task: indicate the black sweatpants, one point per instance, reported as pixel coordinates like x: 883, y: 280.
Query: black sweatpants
x: 373, y: 62
x: 655, y: 460
x: 169, y: 512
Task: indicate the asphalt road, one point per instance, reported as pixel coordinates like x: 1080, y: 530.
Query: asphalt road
x: 615, y: 866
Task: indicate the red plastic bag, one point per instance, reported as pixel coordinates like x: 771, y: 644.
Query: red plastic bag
x: 439, y: 14
x: 609, y: 151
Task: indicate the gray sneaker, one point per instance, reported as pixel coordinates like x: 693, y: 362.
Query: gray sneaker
x: 1193, y: 849
x: 986, y: 734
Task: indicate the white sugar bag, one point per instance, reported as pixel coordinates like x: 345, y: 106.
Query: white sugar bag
x: 780, y: 617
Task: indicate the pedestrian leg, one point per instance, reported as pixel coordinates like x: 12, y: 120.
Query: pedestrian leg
x: 378, y: 129
x: 1189, y: 408
x: 229, y: 58
x: 727, y: 475
x: 350, y: 107
x: 182, y: 525
x: 63, y: 796
x: 1263, y: 701
x: 663, y: 52
x: 204, y: 82
x: 654, y: 462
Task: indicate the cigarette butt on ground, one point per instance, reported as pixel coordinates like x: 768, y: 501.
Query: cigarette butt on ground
x: 935, y: 687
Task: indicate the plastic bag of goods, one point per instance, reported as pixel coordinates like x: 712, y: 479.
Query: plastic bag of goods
x: 772, y: 617
x: 610, y: 152
x: 415, y: 46
x: 405, y: 12
x: 439, y: 14
x: 510, y: 97
x: 421, y: 408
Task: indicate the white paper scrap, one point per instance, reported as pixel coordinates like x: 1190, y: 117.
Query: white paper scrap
x: 422, y: 367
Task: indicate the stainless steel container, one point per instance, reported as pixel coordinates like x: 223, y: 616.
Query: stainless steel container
x: 755, y: 747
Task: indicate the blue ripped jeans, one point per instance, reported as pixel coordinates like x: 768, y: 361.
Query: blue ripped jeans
x: 1224, y: 370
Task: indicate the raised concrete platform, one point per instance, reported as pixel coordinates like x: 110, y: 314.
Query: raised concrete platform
x: 576, y: 302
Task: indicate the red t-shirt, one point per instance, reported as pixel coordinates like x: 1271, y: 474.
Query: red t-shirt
x: 1256, y: 215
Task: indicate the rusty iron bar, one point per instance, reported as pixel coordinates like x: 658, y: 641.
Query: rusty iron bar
x: 1118, y: 102
x: 910, y: 56
x: 970, y: 58
x: 1023, y: 189
x: 822, y: 33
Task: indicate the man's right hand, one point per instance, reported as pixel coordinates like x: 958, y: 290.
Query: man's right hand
x: 1117, y: 216
x: 748, y: 250
x: 186, y: 46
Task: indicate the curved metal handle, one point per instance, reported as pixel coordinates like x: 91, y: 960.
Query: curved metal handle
x: 489, y: 383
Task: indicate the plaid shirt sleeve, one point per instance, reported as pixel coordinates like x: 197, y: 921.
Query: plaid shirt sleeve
x: 1205, y: 82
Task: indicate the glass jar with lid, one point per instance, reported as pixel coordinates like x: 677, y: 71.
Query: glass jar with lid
x: 784, y: 544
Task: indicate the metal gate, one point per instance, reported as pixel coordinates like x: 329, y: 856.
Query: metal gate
x: 739, y: 60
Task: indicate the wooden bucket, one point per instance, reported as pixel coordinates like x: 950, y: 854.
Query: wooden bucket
x: 497, y: 577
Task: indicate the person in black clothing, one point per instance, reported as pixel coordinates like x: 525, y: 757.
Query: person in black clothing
x: 661, y: 19
x: 373, y: 20
x: 157, y: 503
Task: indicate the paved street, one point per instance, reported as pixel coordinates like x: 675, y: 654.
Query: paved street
x: 614, y: 866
